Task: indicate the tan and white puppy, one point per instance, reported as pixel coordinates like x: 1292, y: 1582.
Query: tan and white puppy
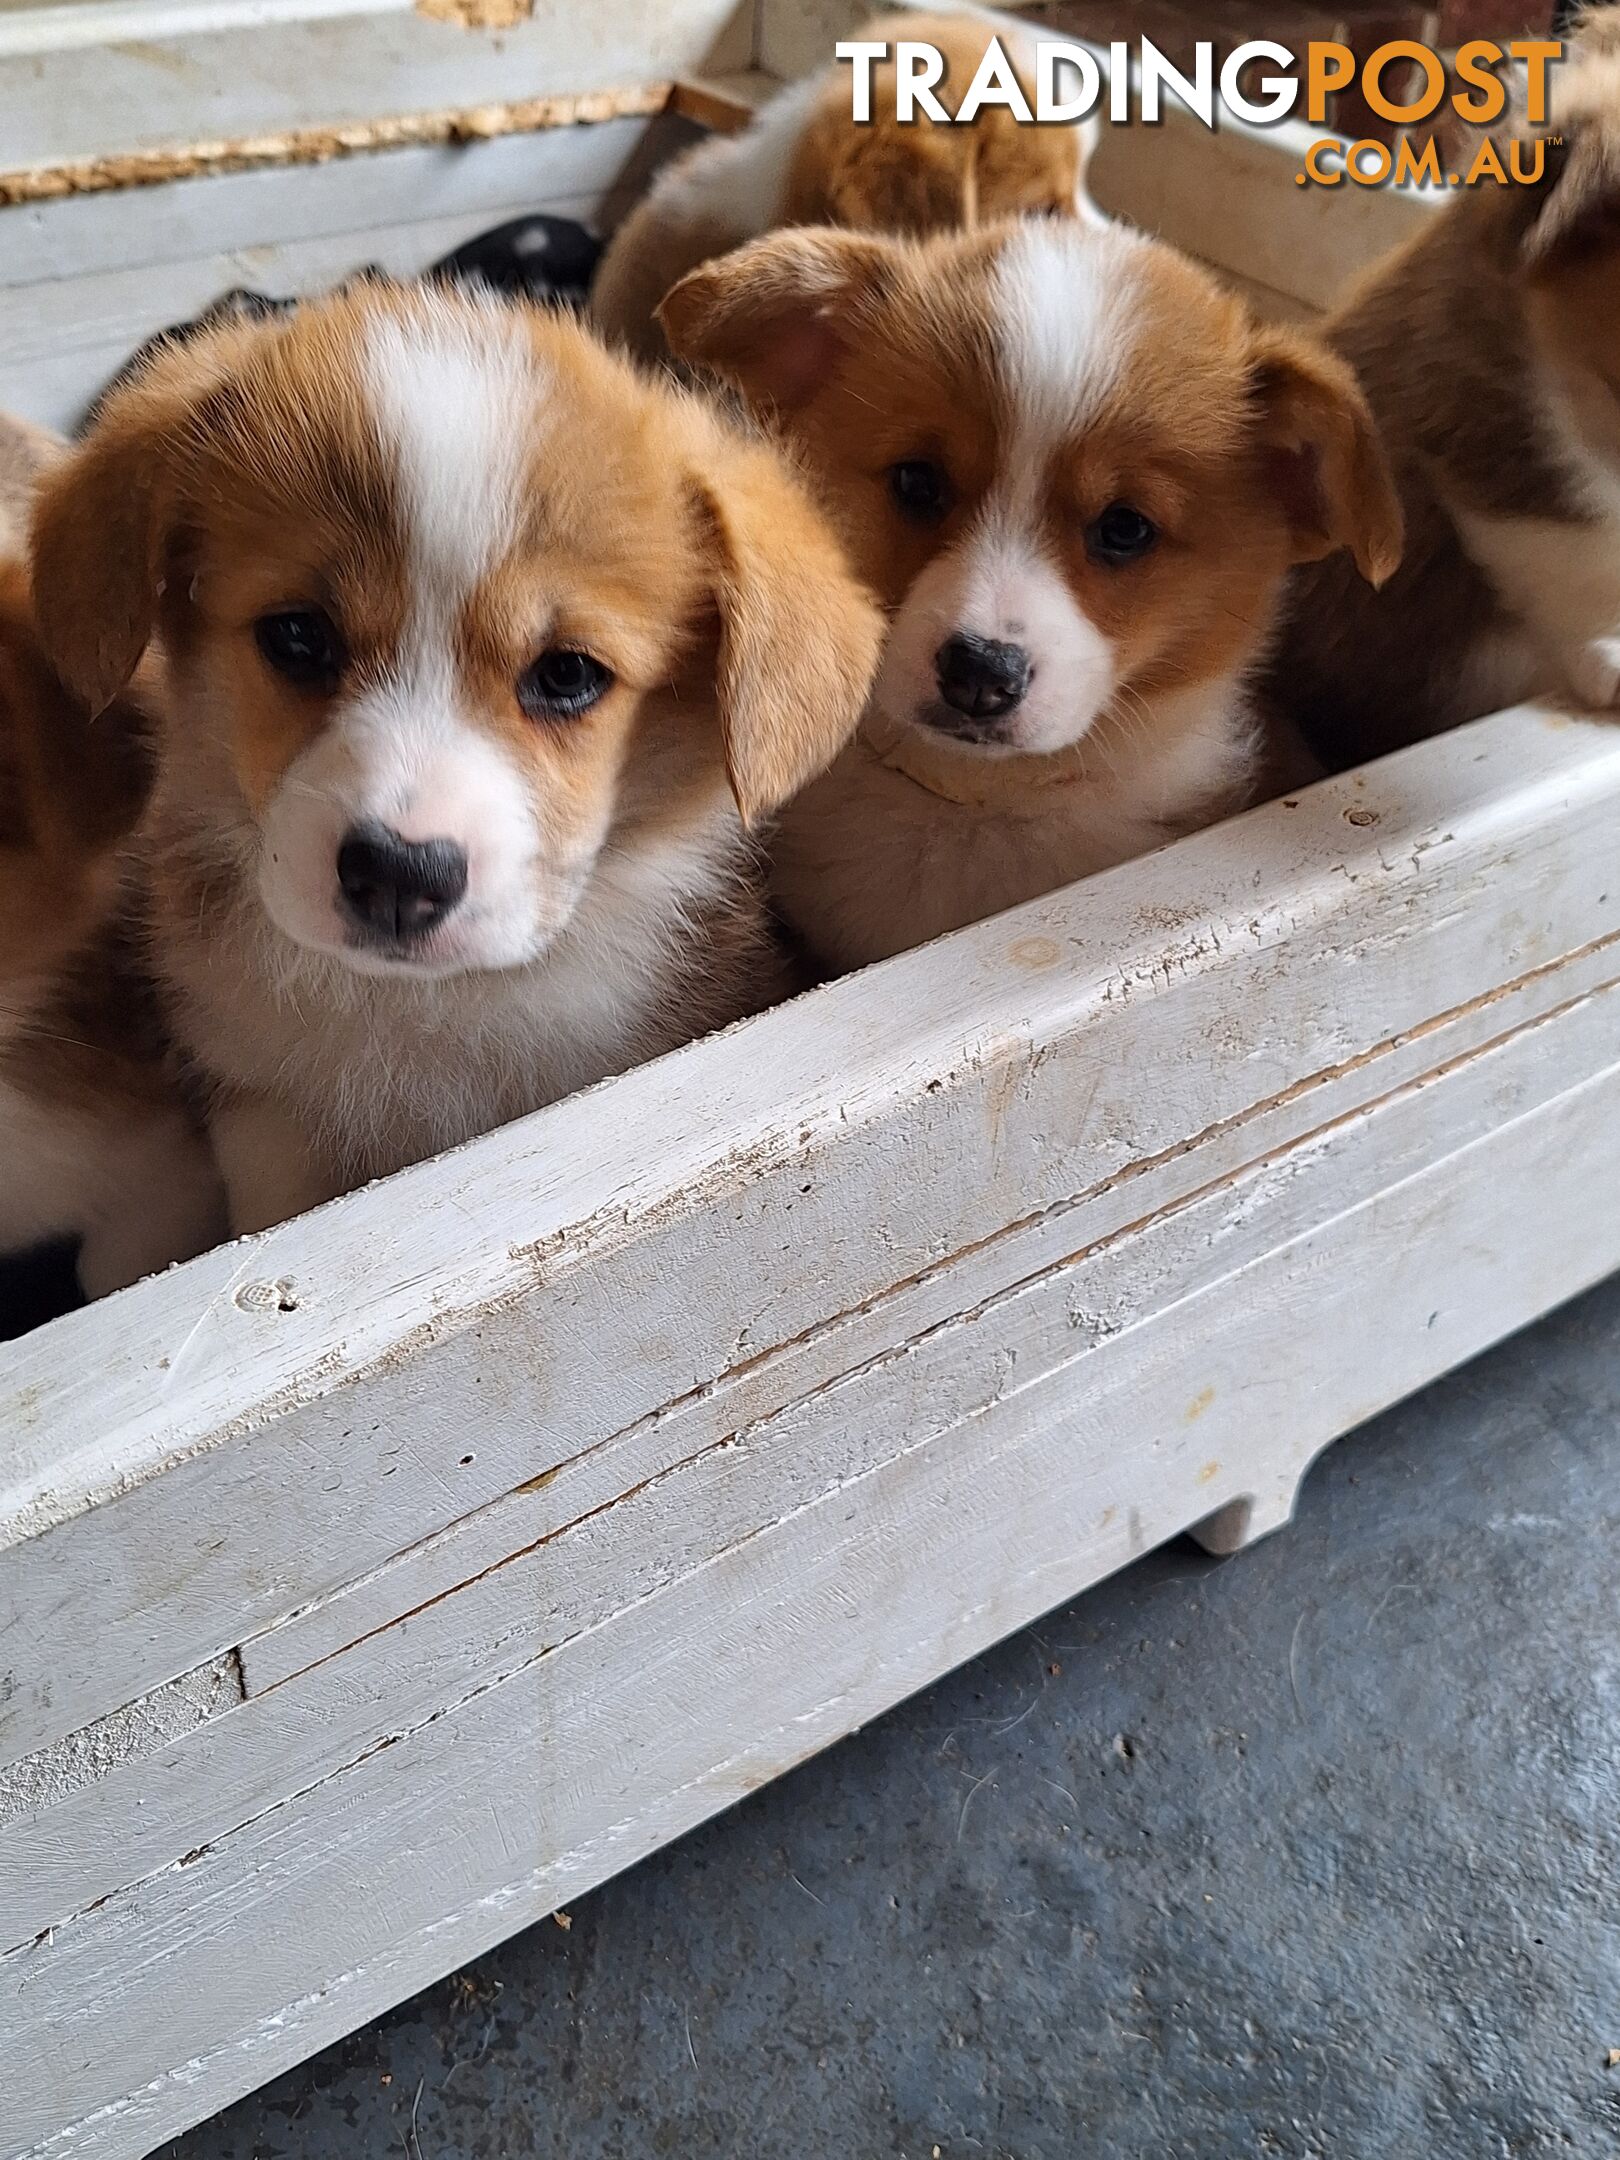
x: 803, y: 161
x: 1489, y: 348
x: 1077, y: 472
x: 96, y: 1142
x: 474, y: 644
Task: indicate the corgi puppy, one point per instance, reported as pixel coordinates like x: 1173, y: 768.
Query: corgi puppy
x: 1077, y: 472
x: 803, y: 161
x: 96, y: 1142
x: 1489, y: 348
x: 478, y: 654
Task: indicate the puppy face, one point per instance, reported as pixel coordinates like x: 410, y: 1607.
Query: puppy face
x: 1075, y: 469
x: 429, y: 574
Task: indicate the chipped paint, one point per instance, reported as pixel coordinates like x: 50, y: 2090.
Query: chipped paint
x: 126, y: 1736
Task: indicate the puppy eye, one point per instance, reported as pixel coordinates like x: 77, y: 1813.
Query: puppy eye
x: 1121, y: 535
x: 561, y: 684
x: 920, y: 488
x: 304, y: 645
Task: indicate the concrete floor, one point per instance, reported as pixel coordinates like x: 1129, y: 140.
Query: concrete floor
x: 1315, y: 1851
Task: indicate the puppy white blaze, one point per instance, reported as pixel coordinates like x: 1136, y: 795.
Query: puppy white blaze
x: 453, y: 390
x: 1065, y: 308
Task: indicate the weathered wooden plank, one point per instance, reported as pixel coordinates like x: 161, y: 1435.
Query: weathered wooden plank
x: 534, y: 1785
x: 675, y: 1434
x: 212, y: 1462
x: 235, y: 215
x: 614, y: 1528
x: 88, y: 280
x: 79, y: 83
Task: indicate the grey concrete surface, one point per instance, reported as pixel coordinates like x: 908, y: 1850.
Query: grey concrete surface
x: 1311, y: 1852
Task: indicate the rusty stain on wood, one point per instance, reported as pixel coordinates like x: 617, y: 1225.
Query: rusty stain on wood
x: 321, y: 145
x: 477, y: 14
x: 1035, y: 952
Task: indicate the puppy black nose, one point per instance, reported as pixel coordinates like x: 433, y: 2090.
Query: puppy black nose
x: 399, y: 888
x: 981, y: 676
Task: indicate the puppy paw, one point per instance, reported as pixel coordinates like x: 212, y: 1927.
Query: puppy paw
x: 1589, y: 675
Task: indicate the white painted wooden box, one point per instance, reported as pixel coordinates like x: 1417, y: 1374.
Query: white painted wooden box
x: 373, y: 1587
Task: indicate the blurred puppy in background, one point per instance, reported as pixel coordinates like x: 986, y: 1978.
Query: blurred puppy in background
x: 1489, y: 349
x: 804, y: 161
x: 95, y: 1142
x: 1077, y: 472
x: 478, y: 654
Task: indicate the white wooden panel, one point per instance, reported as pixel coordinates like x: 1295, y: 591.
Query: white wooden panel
x: 1228, y: 196
x: 1401, y: 1233
x: 847, y: 1143
x: 609, y: 1531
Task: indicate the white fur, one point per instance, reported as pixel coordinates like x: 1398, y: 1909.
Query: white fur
x: 739, y: 181
x: 997, y: 584
x: 349, y: 1076
x: 1561, y: 582
x: 1558, y: 579
x: 448, y: 387
x: 1064, y: 313
x: 137, y: 1185
x: 403, y: 756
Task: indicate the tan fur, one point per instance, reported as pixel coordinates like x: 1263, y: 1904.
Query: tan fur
x: 1487, y: 348
x: 1247, y: 446
x: 248, y: 474
x: 804, y: 161
x: 95, y: 1140
x: 920, y: 177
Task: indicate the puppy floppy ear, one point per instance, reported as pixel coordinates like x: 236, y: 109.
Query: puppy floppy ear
x: 775, y: 317
x: 799, y: 635
x: 104, y: 514
x: 1321, y: 447
x: 83, y: 782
